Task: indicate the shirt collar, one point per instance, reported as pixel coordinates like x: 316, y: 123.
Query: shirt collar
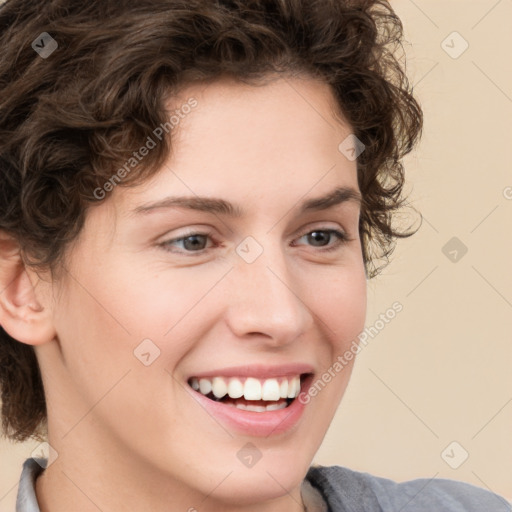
x: 26, y: 500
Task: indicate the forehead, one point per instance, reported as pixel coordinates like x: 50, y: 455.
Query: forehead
x: 248, y: 142
x: 242, y: 116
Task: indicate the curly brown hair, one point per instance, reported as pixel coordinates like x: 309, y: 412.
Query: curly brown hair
x: 68, y: 118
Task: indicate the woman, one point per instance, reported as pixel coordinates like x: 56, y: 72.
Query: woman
x: 194, y: 195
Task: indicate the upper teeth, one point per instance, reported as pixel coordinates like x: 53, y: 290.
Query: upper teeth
x: 250, y: 388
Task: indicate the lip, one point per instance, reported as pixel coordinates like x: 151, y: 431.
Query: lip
x: 258, y: 371
x: 258, y: 424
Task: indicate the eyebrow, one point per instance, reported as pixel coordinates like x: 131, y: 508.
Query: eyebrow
x: 337, y: 196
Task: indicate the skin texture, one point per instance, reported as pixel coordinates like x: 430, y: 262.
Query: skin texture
x: 132, y: 437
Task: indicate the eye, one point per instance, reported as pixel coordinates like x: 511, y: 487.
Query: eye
x: 190, y: 242
x: 195, y: 243
x: 324, y: 236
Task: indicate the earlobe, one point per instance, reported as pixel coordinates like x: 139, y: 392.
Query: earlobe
x: 22, y: 316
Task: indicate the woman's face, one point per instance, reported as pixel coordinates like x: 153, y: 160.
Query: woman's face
x: 162, y: 296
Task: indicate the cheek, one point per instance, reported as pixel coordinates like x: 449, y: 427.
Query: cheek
x: 156, y: 299
x: 157, y: 312
x: 100, y: 331
x: 339, y: 300
x: 339, y: 303
x: 93, y: 336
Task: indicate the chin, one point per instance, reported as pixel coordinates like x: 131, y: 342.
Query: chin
x: 261, y: 483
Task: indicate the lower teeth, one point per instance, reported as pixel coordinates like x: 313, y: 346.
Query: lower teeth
x: 273, y: 406
x: 259, y: 408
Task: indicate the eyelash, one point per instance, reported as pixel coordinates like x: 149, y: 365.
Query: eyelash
x: 165, y: 245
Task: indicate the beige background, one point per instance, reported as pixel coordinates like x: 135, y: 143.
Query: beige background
x: 439, y: 372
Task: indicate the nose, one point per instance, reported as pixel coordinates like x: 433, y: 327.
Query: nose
x: 268, y: 301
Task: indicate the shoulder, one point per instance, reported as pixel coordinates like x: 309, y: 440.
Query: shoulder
x: 343, y: 487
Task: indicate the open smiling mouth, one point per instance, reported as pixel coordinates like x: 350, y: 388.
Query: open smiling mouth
x: 249, y: 393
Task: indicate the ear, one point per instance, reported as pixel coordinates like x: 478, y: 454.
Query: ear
x: 22, y: 316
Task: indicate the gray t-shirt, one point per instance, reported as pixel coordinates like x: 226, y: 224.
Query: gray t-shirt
x: 345, y: 490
